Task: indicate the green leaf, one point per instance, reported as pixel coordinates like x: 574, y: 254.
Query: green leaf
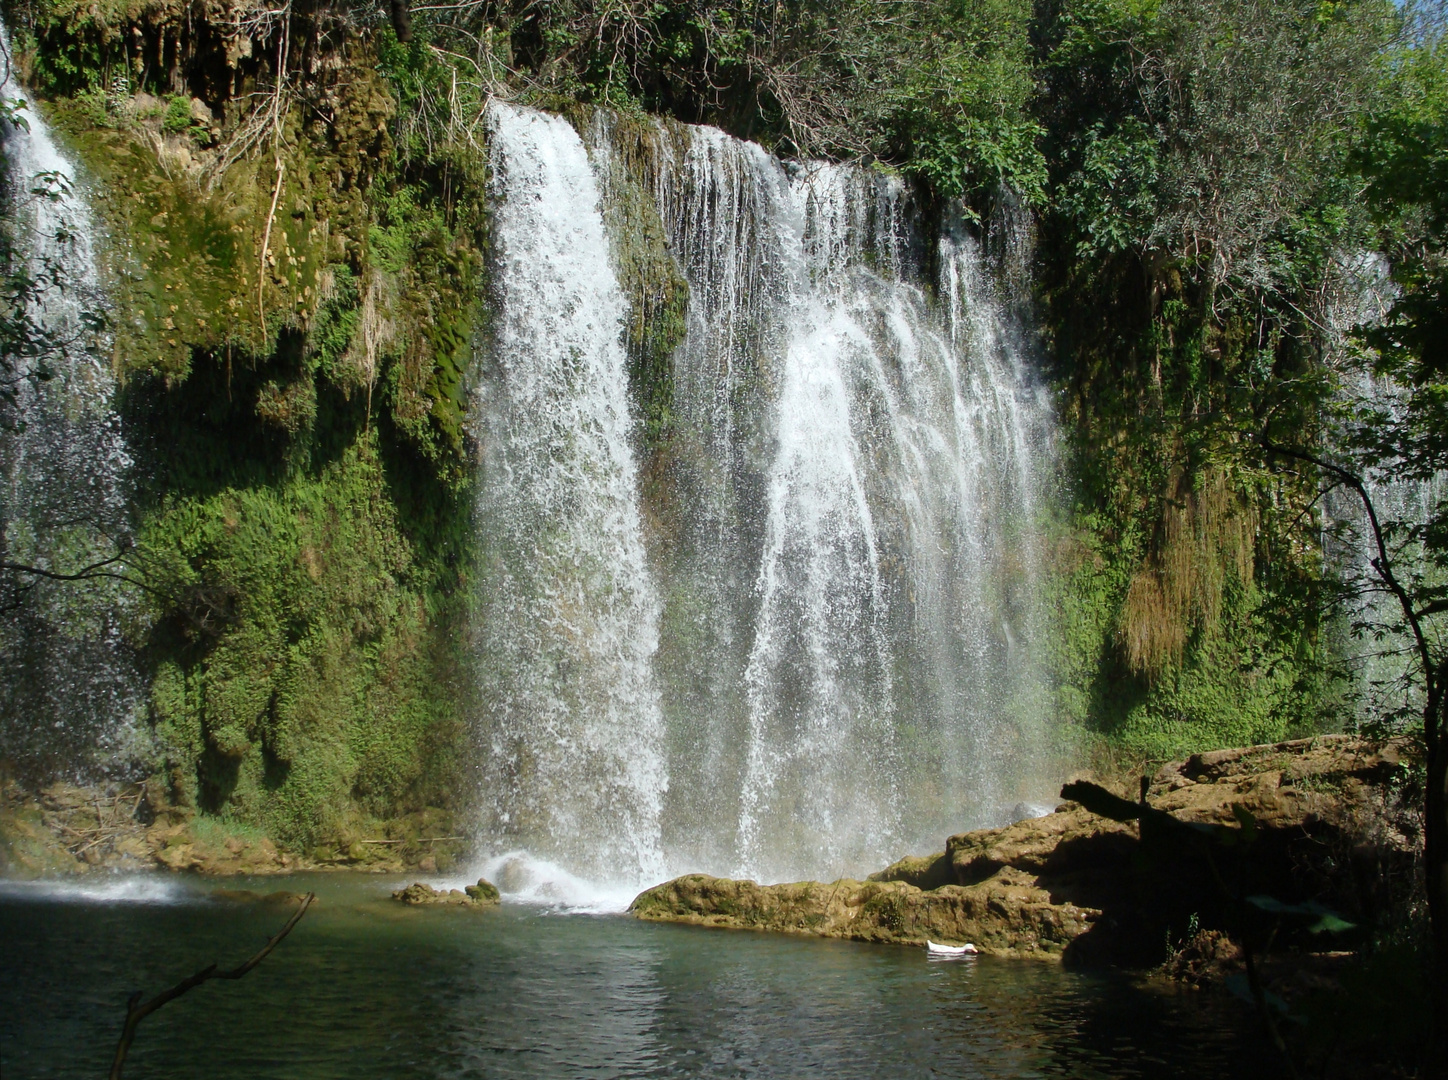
x: 1326, y: 921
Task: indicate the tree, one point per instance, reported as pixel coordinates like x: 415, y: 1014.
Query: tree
x: 1403, y: 157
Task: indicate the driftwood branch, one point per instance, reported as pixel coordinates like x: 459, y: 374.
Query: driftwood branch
x: 137, y: 1010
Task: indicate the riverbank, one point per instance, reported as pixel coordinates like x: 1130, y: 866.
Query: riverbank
x: 62, y: 830
x: 1332, y: 825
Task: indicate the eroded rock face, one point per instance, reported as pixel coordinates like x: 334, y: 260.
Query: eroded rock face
x: 483, y: 894
x: 1072, y: 884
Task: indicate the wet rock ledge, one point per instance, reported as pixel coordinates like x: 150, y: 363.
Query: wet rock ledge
x: 63, y: 829
x: 1330, y: 817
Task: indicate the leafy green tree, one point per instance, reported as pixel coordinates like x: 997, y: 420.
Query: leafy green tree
x: 1404, y: 157
x: 1198, y: 200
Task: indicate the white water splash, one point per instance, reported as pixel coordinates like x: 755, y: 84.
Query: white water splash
x: 522, y: 878
x: 128, y: 889
x: 569, y: 623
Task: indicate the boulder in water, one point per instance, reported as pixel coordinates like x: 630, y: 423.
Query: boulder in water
x: 483, y: 894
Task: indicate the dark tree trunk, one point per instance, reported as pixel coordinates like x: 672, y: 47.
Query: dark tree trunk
x: 1435, y: 859
x: 401, y: 20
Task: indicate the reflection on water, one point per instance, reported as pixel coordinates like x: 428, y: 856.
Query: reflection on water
x: 365, y: 988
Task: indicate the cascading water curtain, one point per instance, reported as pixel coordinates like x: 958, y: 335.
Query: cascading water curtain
x: 827, y: 648
x: 69, y: 686
x: 569, y: 620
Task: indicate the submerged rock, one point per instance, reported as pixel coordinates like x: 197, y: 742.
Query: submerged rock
x: 251, y: 896
x: 1072, y: 884
x: 483, y: 894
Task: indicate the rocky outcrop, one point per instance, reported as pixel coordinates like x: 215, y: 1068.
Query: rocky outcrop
x: 1008, y: 915
x: 483, y: 894
x: 1072, y: 884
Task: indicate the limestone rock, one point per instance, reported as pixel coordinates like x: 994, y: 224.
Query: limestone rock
x: 1007, y: 915
x: 1076, y: 885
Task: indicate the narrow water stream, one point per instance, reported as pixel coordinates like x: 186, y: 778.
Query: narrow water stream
x: 366, y: 988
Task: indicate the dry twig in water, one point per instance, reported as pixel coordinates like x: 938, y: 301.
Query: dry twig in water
x: 137, y: 1010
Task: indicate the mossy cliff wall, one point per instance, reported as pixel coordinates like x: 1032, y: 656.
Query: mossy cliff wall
x: 293, y: 302
x: 294, y: 268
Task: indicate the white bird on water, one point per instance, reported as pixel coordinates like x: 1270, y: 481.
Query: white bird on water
x: 936, y: 949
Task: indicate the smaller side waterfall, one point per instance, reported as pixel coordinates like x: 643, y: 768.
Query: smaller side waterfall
x: 1381, y: 668
x: 569, y: 621
x: 68, y: 682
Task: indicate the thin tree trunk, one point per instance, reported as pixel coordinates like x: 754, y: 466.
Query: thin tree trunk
x: 1435, y: 860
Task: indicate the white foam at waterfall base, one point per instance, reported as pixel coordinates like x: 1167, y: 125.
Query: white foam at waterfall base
x: 569, y: 619
x: 120, y: 889
x: 523, y: 878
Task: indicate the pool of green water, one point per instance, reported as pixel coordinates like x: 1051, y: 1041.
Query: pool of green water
x: 366, y: 988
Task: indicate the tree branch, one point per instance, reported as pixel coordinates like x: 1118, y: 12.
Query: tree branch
x: 137, y: 1010
x: 1382, y: 563
x: 85, y: 573
x: 1437, y: 607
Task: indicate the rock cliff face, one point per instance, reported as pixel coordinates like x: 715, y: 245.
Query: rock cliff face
x: 1077, y: 886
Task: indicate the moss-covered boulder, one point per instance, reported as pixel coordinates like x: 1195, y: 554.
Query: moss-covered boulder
x: 483, y: 894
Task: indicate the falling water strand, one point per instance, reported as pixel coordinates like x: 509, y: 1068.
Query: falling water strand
x: 569, y: 619
x: 857, y: 468
x: 826, y: 646
x: 70, y: 683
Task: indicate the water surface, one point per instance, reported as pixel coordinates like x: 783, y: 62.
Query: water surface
x: 365, y: 988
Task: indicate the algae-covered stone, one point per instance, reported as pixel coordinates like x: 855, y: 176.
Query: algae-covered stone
x: 483, y: 894
x: 922, y: 871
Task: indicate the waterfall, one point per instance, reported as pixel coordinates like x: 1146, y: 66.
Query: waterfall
x: 1381, y: 666
x: 569, y: 620
x: 849, y: 597
x: 69, y: 688
x: 819, y: 656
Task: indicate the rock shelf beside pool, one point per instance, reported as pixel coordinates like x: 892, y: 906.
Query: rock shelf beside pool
x: 483, y: 894
x: 1073, y: 885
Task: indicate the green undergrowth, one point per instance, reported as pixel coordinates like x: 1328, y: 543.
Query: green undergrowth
x: 1262, y: 668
